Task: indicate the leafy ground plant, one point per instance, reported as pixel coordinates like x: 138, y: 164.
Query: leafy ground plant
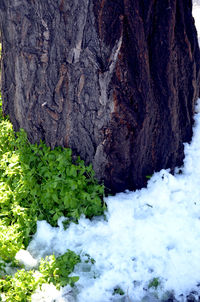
x: 154, y: 283
x: 57, y: 270
x: 118, y: 291
x: 52, y: 270
x: 37, y: 183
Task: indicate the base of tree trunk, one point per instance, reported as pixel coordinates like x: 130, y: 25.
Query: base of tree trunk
x: 115, y: 80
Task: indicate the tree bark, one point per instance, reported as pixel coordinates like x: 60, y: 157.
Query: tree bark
x: 115, y: 80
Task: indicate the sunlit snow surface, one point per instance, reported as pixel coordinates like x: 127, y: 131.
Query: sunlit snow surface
x: 150, y: 233
x: 196, y: 14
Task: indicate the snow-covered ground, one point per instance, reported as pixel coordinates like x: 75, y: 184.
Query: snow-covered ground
x: 150, y: 234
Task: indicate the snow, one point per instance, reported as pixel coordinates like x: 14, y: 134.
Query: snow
x: 147, y: 234
x: 196, y: 15
x: 26, y: 259
x: 47, y: 293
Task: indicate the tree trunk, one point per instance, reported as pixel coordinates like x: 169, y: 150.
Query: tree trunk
x: 115, y: 80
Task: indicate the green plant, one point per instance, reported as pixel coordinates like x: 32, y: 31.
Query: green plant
x: 55, y: 186
x: 57, y: 270
x: 37, y: 183
x: 154, y: 283
x: 118, y: 291
x: 89, y: 259
x: 19, y: 287
x: 53, y: 270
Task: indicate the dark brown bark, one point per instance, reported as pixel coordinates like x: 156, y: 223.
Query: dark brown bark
x: 115, y: 80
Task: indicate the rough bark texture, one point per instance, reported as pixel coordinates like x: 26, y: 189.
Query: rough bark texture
x: 115, y: 80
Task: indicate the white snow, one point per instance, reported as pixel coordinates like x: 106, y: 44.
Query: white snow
x: 26, y: 259
x: 150, y: 233
x: 47, y: 293
x: 196, y: 15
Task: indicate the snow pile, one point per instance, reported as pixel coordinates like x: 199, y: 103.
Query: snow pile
x: 150, y: 234
x: 25, y: 258
x: 196, y: 15
x: 48, y: 293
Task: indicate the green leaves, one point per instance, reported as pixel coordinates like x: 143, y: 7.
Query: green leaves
x: 59, y: 184
x: 118, y: 291
x: 57, y: 270
x: 37, y: 183
x: 19, y: 287
x: 154, y: 283
x: 23, y: 283
x: 43, y: 184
